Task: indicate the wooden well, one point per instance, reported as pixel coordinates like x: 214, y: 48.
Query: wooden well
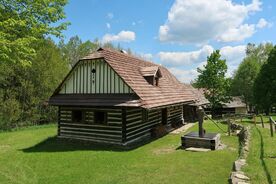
x: 201, y: 139
x: 208, y: 141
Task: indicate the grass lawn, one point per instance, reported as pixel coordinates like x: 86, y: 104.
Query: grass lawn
x: 261, y: 160
x: 34, y: 155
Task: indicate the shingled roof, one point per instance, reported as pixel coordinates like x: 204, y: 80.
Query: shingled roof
x: 132, y: 70
x: 235, y: 102
x: 199, y: 95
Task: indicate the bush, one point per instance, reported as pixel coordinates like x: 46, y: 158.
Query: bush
x: 9, y: 114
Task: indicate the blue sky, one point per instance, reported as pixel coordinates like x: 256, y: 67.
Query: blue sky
x: 178, y: 34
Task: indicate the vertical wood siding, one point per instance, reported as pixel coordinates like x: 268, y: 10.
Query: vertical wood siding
x: 110, y: 132
x: 135, y: 127
x: 104, y: 80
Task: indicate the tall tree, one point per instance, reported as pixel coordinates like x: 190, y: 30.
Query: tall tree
x: 265, y: 84
x: 244, y: 77
x: 248, y: 70
x: 259, y: 52
x: 24, y: 22
x: 212, y: 79
x: 25, y: 90
x: 75, y: 49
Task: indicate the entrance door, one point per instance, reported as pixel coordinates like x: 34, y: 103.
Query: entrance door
x: 164, y: 116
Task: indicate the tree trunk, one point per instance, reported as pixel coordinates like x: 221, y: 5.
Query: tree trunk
x: 267, y: 112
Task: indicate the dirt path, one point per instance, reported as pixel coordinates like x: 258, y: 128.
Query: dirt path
x: 183, y: 128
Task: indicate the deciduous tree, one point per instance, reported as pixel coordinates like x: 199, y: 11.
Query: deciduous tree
x: 24, y: 22
x: 265, y: 84
x: 212, y: 78
x: 248, y: 70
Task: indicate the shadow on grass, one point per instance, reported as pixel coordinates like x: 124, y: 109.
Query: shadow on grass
x: 268, y: 176
x: 55, y: 144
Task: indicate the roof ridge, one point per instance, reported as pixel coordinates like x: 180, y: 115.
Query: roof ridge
x: 127, y: 55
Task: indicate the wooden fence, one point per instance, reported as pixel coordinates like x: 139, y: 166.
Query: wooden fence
x: 239, y: 117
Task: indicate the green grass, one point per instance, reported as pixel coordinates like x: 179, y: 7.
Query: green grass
x: 36, y: 156
x: 261, y: 160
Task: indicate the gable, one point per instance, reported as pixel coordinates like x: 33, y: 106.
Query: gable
x: 94, y: 77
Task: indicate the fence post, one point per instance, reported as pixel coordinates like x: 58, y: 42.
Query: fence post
x: 262, y: 120
x: 254, y: 117
x: 241, y: 118
x: 271, y: 127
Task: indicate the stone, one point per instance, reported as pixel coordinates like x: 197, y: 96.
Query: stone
x: 241, y: 176
x: 197, y: 149
x: 238, y: 164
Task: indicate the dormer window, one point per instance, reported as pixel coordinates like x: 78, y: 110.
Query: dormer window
x: 151, y: 74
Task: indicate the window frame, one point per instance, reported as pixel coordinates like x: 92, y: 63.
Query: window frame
x: 73, y: 116
x: 104, y: 118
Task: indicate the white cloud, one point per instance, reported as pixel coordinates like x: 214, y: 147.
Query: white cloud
x: 110, y: 15
x: 108, y: 25
x: 199, y: 21
x: 233, y: 55
x: 237, y: 34
x: 123, y: 36
x: 146, y: 56
x: 182, y: 75
x: 185, y: 58
x: 263, y: 23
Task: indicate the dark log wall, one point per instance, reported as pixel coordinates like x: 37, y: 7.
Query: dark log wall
x: 136, y: 127
x: 175, y: 115
x: 189, y: 113
x: 122, y: 126
x: 110, y: 132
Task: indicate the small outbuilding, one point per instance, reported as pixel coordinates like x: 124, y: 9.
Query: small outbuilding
x: 113, y: 97
x: 235, y: 106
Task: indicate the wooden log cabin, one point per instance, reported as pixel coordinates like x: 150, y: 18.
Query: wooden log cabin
x: 112, y: 97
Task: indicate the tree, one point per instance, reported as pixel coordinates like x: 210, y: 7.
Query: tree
x: 248, y: 70
x: 265, y: 84
x: 24, y: 22
x: 76, y: 49
x: 212, y: 79
x: 259, y: 53
x: 244, y: 77
x: 25, y: 90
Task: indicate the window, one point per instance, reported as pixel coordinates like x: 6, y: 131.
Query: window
x: 145, y: 115
x: 150, y: 79
x: 77, y: 116
x: 100, y: 117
